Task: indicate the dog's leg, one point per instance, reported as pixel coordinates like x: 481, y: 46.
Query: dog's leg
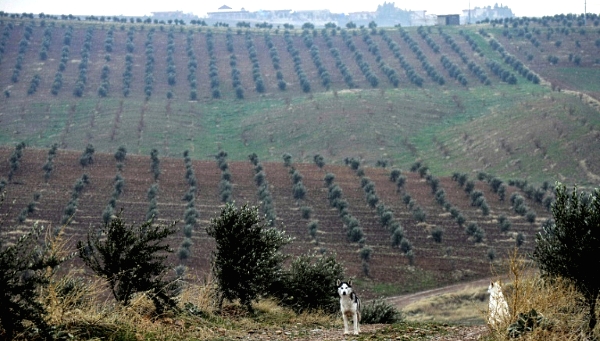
x: 346, y: 331
x: 355, y: 321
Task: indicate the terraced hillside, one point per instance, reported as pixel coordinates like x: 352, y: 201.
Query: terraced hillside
x: 448, y: 257
x: 516, y: 98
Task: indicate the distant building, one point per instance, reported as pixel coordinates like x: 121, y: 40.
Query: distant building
x: 227, y: 13
x: 173, y: 15
x: 317, y: 17
x: 362, y: 15
x: 421, y: 18
x: 476, y: 14
x: 448, y: 19
x: 273, y: 15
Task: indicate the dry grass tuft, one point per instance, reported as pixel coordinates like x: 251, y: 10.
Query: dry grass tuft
x: 81, y: 306
x: 557, y: 301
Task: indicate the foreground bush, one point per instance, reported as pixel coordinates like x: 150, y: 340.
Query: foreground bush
x: 131, y: 259
x: 26, y: 266
x: 310, y: 284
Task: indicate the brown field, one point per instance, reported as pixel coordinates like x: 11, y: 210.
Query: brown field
x: 453, y: 260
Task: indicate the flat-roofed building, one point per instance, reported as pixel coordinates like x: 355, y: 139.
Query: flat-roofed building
x: 448, y: 19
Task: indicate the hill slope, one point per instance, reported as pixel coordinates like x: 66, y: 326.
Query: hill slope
x: 443, y: 95
x: 456, y: 257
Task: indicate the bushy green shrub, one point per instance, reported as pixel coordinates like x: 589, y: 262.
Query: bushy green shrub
x: 245, y: 270
x: 131, y: 258
x: 321, y: 272
x: 380, y: 311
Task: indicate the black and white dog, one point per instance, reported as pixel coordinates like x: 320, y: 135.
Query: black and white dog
x: 349, y: 305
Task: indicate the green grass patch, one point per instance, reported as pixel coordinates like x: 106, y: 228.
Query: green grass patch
x: 583, y: 79
x: 419, y: 280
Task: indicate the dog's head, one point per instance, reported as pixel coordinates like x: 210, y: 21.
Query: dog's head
x: 344, y: 288
x: 494, y: 289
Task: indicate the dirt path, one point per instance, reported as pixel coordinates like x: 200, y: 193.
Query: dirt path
x: 372, y: 332
x: 404, y: 300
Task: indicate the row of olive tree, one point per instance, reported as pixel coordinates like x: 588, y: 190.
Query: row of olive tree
x: 473, y: 231
x: 424, y: 33
x: 264, y: 194
x: 22, y: 49
x: 171, y: 70
x: 352, y: 225
x: 213, y: 70
x: 71, y: 207
x: 236, y: 82
x: 453, y: 70
x: 513, y: 61
x: 304, y: 83
x: 474, y: 68
x: 412, y: 75
x: 15, y: 159
x: 299, y: 192
x: 385, y: 214
x: 64, y: 59
x: 128, y: 73
x: 335, y: 197
x: 192, y: 66
x: 149, y: 66
x: 83, y: 64
x: 339, y: 63
x: 259, y: 83
x: 363, y: 65
x: 190, y: 215
x: 48, y: 167
x: 388, y: 70
x: 108, y: 47
x: 414, y: 47
x: 316, y: 58
x: 440, y: 197
x: 274, y: 53
x: 4, y: 39
x: 225, y: 186
x: 45, y: 45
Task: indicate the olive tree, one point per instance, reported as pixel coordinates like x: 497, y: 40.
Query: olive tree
x: 131, y: 258
x: 568, y: 247
x: 247, y: 261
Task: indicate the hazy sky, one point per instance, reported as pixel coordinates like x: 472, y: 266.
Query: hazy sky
x: 145, y: 7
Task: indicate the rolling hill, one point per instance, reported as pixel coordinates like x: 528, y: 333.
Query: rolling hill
x: 393, y: 94
x: 513, y: 101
